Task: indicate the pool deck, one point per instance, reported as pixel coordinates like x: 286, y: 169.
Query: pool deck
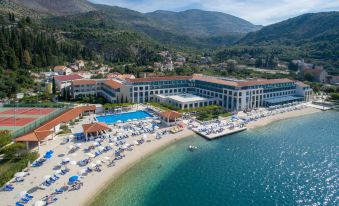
x: 222, y: 134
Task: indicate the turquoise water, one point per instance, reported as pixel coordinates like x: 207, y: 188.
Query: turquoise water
x: 291, y: 162
x: 111, y: 119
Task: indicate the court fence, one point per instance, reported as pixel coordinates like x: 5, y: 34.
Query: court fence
x: 33, y: 125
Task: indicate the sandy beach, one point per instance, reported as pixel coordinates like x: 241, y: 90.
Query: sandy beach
x: 93, y: 183
x: 291, y: 114
x: 131, y: 159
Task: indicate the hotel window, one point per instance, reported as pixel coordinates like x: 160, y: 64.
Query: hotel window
x: 135, y: 88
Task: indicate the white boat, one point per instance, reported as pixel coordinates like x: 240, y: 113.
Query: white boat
x: 192, y: 148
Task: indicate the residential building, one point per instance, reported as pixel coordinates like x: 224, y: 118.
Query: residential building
x: 62, y: 70
x: 65, y: 81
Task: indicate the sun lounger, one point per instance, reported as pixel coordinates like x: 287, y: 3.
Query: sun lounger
x: 24, y: 200
x: 59, y: 191
x: 8, y: 188
x: 19, y: 204
x: 28, y: 196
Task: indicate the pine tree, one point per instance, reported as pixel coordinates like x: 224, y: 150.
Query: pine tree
x: 12, y: 60
x: 27, y: 60
x: 53, y: 86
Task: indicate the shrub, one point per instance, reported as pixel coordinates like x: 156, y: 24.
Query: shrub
x: 16, y: 165
x: 5, y: 138
x: 12, y: 151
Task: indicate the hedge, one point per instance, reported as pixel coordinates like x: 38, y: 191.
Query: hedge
x: 17, y: 165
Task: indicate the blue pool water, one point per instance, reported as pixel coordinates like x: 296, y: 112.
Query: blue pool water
x: 111, y: 119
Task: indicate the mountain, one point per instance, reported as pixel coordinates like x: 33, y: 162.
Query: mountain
x: 54, y: 7
x: 312, y: 27
x: 199, y: 23
x: 313, y: 37
x: 193, y: 28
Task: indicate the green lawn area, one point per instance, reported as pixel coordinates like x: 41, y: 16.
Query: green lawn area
x: 202, y: 113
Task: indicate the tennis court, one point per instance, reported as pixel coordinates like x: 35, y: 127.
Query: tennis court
x: 11, y: 121
x: 28, y: 111
x: 24, y: 119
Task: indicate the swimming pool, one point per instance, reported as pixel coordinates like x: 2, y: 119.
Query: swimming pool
x: 111, y: 119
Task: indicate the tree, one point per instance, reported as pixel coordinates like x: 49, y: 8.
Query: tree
x: 292, y: 66
x: 5, y: 138
x: 53, y: 86
x: 309, y: 77
x: 27, y: 58
x: 12, y: 60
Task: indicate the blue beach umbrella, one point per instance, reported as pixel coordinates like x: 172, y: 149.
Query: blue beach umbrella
x: 73, y: 179
x: 47, y: 155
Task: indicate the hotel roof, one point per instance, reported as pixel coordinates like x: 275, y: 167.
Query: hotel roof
x: 68, y: 77
x: 113, y: 84
x: 44, y: 131
x: 239, y: 83
x: 35, y: 136
x: 301, y: 84
x: 153, y: 79
x: 95, y: 127
x: 84, y: 82
x: 171, y: 115
x: 186, y: 98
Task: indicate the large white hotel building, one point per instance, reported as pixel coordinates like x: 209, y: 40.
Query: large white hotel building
x: 195, y: 91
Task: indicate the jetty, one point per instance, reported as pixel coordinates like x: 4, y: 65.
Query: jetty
x: 225, y: 132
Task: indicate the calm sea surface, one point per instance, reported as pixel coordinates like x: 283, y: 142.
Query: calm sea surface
x: 291, y: 162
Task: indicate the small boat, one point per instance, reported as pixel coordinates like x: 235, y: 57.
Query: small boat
x: 192, y: 148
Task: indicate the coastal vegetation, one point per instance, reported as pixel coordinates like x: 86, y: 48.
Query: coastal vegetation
x: 13, y: 157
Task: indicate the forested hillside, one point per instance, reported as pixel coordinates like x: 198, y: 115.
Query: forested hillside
x: 24, y: 47
x: 313, y: 37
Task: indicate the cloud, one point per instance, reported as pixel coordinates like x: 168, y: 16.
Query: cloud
x: 262, y: 12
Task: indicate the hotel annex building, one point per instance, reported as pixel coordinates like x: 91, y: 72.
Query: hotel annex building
x: 196, y: 91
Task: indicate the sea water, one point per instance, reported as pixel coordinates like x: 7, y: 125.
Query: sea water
x: 290, y: 162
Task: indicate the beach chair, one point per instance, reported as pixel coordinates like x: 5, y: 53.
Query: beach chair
x: 19, y: 204
x: 54, y: 178
x: 24, y: 200
x: 59, y: 191
x: 8, y: 188
x: 28, y: 196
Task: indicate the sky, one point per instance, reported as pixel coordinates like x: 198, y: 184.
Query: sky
x: 260, y: 12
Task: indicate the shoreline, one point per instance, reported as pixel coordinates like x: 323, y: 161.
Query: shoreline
x: 95, y: 183
x: 282, y: 116
x: 133, y: 158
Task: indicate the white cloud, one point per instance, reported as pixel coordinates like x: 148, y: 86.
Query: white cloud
x: 256, y: 11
